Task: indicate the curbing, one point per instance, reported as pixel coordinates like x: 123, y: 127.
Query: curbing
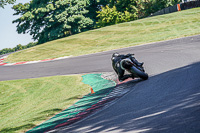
x: 107, y: 91
x: 83, y: 108
x: 117, y: 92
x: 28, y: 62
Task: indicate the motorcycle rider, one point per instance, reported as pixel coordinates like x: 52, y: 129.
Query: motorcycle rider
x: 116, y: 58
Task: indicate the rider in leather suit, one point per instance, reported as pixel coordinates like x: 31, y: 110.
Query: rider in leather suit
x: 116, y: 58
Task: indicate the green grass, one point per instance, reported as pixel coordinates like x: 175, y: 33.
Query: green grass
x: 28, y: 102
x: 153, y: 29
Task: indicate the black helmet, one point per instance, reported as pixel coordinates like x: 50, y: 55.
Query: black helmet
x: 115, y: 54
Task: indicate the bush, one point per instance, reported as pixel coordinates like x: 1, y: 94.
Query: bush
x: 109, y: 16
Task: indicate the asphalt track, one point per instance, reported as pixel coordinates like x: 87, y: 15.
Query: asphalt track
x: 168, y: 102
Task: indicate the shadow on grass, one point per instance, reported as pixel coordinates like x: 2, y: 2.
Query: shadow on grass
x: 168, y: 102
x: 73, y: 98
x: 50, y: 111
x: 24, y: 127
x: 45, y: 114
x: 3, y: 104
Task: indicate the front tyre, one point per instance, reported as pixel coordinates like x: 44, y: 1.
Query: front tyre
x: 139, y: 73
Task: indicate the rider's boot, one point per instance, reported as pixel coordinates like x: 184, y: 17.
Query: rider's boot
x: 132, y: 76
x: 123, y: 78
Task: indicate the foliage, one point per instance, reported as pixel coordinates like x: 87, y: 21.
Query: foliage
x: 51, y: 19
x: 121, y: 11
x: 141, y: 8
x: 109, y: 16
x: 6, y: 50
x: 94, y: 7
x: 18, y: 47
x: 5, y: 2
x: 31, y: 44
x: 128, y: 10
x: 132, y: 6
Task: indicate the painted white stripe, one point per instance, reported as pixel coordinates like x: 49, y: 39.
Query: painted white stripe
x: 65, y: 57
x: 10, y: 64
x: 3, y: 57
x: 31, y: 62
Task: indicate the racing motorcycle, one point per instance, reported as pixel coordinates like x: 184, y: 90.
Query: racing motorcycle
x: 133, y: 67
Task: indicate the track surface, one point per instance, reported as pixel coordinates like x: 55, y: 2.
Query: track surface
x: 158, y: 57
x: 168, y: 102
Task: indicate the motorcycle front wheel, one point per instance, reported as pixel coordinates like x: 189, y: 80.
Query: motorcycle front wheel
x: 139, y: 73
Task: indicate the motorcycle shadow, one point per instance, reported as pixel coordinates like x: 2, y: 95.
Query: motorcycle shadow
x: 129, y: 81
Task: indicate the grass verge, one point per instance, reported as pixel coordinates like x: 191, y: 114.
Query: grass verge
x: 152, y: 29
x: 28, y: 102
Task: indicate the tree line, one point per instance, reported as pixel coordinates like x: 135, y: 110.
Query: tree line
x: 47, y: 20
x: 17, y: 48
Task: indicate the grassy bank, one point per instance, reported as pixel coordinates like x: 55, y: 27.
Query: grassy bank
x: 28, y: 102
x: 158, y: 28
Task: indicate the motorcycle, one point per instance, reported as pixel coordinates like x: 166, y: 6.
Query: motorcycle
x: 132, y: 67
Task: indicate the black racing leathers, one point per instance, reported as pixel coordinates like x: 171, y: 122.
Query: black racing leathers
x: 116, y: 65
x: 118, y: 69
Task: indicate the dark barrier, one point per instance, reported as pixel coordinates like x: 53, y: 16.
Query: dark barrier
x: 166, y: 10
x: 183, y: 6
x: 190, y: 4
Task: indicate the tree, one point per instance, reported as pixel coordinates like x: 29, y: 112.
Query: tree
x: 109, y: 16
x: 6, y: 50
x: 18, y: 47
x: 118, y: 11
x: 47, y: 20
x: 4, y: 2
x: 132, y: 6
x: 94, y: 7
x: 141, y: 8
x: 31, y: 44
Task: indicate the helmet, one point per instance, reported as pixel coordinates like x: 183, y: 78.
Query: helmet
x: 115, y: 54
